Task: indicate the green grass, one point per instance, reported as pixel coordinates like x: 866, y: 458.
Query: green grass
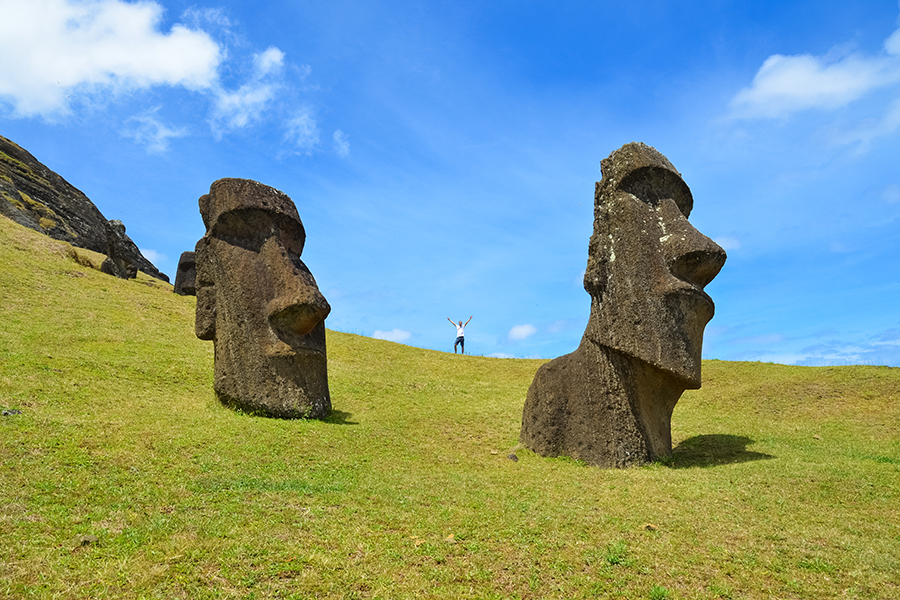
x: 783, y: 483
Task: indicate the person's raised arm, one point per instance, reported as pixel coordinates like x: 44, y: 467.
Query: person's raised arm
x: 467, y: 322
x: 451, y: 321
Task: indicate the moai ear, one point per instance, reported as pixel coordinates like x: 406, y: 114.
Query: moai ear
x: 599, y: 249
x: 205, y: 316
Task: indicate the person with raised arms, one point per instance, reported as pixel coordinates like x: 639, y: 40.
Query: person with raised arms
x: 460, y: 335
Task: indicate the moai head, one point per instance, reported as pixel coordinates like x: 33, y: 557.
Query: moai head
x: 260, y: 304
x: 647, y: 265
x: 186, y: 276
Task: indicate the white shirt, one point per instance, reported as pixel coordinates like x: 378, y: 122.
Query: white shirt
x: 460, y: 331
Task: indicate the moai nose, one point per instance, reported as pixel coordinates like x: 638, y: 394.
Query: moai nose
x: 298, y: 315
x: 690, y: 255
x: 298, y: 305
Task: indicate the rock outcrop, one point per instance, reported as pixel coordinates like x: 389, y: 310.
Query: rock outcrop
x: 610, y: 402
x: 259, y: 303
x: 36, y: 197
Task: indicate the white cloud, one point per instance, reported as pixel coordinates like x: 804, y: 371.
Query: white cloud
x: 59, y: 54
x: 868, y: 131
x: 269, y: 61
x: 240, y: 108
x: 341, y: 143
x: 892, y: 44
x: 153, y: 256
x: 394, y: 335
x: 234, y: 110
x: 839, y: 247
x: 728, y: 242
x: 501, y: 355
x: 891, y: 194
x: 53, y: 49
x: 302, y: 131
x: 520, y: 332
x: 786, y: 84
x: 199, y: 18
x: 148, y: 130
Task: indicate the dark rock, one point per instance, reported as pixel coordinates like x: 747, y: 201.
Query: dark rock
x: 118, y: 251
x: 186, y: 276
x: 513, y: 457
x: 8, y: 412
x: 610, y: 402
x: 259, y: 303
x: 36, y: 197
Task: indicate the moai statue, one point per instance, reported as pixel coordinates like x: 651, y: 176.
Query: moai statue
x: 186, y: 276
x: 610, y: 402
x: 260, y: 304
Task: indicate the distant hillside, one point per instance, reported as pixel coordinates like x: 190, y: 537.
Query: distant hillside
x: 34, y: 196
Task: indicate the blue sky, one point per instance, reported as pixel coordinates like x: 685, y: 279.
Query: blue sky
x: 443, y: 155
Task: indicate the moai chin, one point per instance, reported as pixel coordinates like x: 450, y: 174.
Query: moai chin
x: 260, y: 304
x: 610, y: 402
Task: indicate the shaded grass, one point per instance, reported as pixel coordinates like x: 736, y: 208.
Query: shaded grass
x: 783, y: 482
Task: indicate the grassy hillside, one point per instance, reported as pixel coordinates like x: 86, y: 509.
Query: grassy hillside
x: 784, y: 482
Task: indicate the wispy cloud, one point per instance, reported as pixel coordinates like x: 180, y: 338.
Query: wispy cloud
x: 881, y: 349
x: 148, y: 129
x: 521, y: 332
x: 302, y: 132
x: 239, y: 108
x: 728, y: 242
x: 341, y: 143
x: 199, y: 18
x: 821, y: 348
x: 52, y: 51
x: 839, y: 247
x: 153, y: 256
x: 891, y: 194
x: 394, y: 335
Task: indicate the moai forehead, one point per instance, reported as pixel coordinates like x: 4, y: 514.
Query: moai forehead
x: 642, y: 171
x: 231, y: 195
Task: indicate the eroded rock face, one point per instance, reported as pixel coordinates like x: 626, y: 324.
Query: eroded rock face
x: 610, y: 402
x: 119, y: 252
x: 260, y: 304
x: 34, y: 196
x: 186, y: 276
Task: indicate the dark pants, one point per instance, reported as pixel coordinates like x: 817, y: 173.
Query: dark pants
x: 462, y: 344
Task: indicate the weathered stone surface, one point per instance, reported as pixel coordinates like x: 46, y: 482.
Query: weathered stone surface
x: 36, y: 197
x: 260, y: 304
x: 186, y: 276
x: 610, y: 402
x: 119, y: 251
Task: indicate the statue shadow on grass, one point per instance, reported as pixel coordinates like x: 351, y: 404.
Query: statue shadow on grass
x: 339, y: 417
x: 712, y: 450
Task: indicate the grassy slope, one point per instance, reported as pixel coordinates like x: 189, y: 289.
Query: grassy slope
x: 784, y: 483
